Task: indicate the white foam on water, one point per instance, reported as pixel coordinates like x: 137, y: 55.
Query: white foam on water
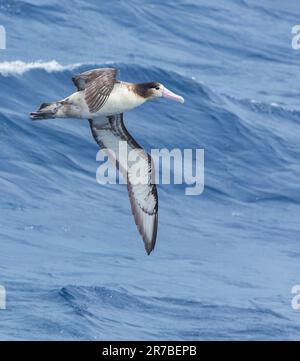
x: 19, y: 67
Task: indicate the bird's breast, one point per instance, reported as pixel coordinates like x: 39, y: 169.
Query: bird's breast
x: 121, y: 99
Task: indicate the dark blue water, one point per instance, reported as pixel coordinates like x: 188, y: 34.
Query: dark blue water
x: 71, y: 259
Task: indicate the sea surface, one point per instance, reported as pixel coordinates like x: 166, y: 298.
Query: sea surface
x: 71, y: 259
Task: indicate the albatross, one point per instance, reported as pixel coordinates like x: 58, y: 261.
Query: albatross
x: 102, y: 99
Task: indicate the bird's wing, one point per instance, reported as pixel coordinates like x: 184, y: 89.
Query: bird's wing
x: 108, y: 132
x: 98, y: 84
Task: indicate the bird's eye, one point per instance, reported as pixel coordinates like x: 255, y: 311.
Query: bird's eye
x: 157, y: 88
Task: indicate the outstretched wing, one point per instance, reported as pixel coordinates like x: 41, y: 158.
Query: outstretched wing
x: 138, y: 170
x: 98, y: 84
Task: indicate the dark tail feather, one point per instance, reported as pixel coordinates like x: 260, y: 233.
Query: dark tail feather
x: 45, y: 111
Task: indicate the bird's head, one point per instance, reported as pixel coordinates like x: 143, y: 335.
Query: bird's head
x: 156, y: 90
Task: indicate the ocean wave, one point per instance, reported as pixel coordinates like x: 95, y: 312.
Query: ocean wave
x: 249, y: 131
x: 19, y: 67
x: 99, y: 304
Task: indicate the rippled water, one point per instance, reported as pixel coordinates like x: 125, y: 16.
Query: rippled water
x: 71, y: 259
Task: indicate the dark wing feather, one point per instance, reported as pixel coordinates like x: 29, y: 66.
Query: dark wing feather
x: 108, y: 132
x: 98, y: 84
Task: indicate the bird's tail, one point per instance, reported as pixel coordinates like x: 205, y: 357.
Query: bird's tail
x: 45, y: 111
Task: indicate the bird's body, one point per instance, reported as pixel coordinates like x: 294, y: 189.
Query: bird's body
x: 102, y: 99
x: 121, y: 99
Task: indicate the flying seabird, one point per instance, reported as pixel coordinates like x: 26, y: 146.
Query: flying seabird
x: 102, y: 99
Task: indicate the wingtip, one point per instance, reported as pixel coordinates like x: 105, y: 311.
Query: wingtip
x: 149, y: 247
x: 148, y: 251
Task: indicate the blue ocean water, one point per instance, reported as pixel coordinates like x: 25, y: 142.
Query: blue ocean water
x: 71, y: 259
